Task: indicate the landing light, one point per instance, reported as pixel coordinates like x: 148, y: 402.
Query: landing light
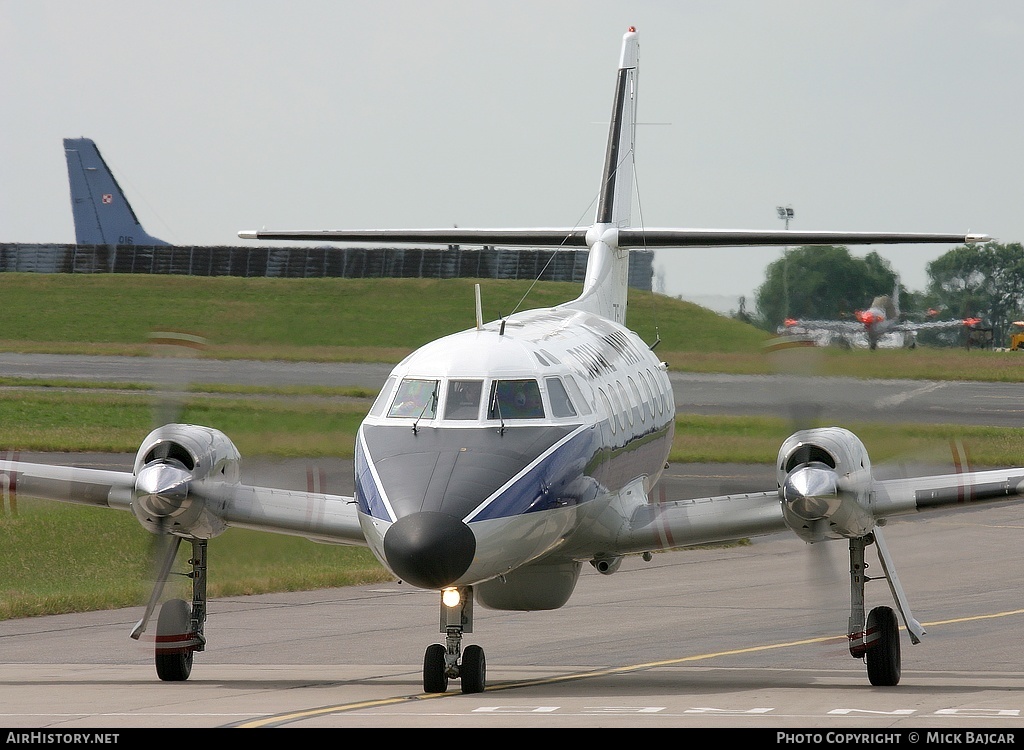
x: 450, y: 597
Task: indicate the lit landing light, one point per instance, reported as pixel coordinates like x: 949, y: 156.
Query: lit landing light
x: 451, y: 597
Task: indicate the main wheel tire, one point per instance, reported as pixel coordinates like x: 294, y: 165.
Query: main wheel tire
x: 174, y: 623
x: 434, y: 678
x: 883, y: 658
x: 473, y: 670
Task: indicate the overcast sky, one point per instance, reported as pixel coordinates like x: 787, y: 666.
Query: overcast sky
x: 216, y: 116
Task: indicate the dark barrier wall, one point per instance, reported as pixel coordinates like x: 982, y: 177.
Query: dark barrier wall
x: 315, y: 262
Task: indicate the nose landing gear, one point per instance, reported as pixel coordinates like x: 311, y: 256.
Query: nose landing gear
x: 441, y: 662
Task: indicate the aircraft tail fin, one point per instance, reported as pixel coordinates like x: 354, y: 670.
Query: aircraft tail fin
x: 606, y: 285
x: 102, y: 213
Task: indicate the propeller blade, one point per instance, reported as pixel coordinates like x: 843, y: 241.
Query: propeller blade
x: 164, y: 571
x: 172, y: 373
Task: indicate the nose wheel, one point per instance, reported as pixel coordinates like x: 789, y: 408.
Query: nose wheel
x: 179, y: 629
x: 442, y: 662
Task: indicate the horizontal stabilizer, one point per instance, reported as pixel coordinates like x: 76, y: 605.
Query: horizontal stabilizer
x: 623, y: 238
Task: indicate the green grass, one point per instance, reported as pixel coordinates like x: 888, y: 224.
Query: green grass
x: 721, y: 439
x: 382, y: 320
x: 309, y: 319
x: 68, y: 558
x: 83, y: 420
x: 64, y: 558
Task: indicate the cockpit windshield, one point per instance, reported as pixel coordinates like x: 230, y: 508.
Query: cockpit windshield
x: 515, y: 399
x: 416, y: 399
x: 463, y: 400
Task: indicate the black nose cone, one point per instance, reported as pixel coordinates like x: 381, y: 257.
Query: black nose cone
x: 429, y: 549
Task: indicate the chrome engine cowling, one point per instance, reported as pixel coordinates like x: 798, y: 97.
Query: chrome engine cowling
x: 174, y: 468
x: 824, y: 480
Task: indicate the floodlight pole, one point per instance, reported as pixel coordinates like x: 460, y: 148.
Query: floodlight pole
x: 785, y: 213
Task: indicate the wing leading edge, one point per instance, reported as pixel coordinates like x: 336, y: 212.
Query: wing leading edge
x: 316, y: 516
x: 623, y: 238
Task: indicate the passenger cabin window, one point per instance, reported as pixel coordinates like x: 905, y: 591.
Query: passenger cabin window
x: 608, y: 409
x: 515, y: 399
x: 416, y: 399
x: 463, y: 400
x: 561, y: 405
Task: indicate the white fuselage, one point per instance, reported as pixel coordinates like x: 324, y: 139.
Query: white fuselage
x: 493, y: 447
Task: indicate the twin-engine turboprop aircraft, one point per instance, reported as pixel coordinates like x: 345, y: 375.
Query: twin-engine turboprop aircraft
x: 497, y: 461
x: 881, y: 322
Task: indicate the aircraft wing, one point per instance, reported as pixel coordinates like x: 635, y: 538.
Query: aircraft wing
x: 650, y: 237
x: 685, y: 523
x: 931, y: 325
x: 205, y: 507
x: 850, y: 499
x: 835, y: 326
x: 632, y: 237
x: 69, y: 484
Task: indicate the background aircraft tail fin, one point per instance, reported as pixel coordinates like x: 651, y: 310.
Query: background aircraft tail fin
x: 101, y: 211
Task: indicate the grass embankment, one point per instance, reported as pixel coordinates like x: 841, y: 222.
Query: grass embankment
x: 62, y: 558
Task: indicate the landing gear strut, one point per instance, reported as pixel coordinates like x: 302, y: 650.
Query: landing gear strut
x: 179, y: 628
x: 441, y: 662
x: 877, y: 640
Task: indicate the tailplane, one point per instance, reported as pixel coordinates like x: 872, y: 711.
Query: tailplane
x: 606, y: 282
x: 101, y: 211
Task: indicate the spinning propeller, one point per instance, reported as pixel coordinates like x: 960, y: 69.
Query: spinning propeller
x: 164, y: 490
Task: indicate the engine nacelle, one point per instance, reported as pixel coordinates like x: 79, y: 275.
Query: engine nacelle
x: 530, y: 588
x: 174, y: 465
x: 824, y: 480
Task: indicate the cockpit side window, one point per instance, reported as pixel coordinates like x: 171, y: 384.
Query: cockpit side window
x: 382, y: 398
x: 515, y: 399
x: 416, y: 399
x: 561, y: 405
x: 577, y: 395
x: 463, y: 400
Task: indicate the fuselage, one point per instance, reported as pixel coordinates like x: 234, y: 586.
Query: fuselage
x: 502, y: 445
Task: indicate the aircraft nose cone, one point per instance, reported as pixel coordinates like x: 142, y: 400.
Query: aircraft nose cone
x: 429, y: 549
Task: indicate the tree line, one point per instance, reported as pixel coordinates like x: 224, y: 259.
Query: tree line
x: 826, y: 282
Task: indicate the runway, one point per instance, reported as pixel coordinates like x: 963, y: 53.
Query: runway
x: 749, y: 637
x: 839, y: 399
x: 739, y: 637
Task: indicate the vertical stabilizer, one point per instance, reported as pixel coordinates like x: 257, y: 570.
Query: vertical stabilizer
x: 606, y: 285
x: 101, y: 211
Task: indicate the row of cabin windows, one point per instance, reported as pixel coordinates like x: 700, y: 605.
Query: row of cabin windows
x: 420, y: 398
x: 620, y: 406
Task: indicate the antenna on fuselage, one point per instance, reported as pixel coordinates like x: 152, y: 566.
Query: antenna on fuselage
x: 501, y: 331
x: 479, y: 309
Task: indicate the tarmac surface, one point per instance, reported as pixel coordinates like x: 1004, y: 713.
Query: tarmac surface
x: 742, y: 637
x: 738, y: 637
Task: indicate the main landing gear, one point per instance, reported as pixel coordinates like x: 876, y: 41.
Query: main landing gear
x: 179, y: 627
x: 878, y: 641
x: 441, y: 661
